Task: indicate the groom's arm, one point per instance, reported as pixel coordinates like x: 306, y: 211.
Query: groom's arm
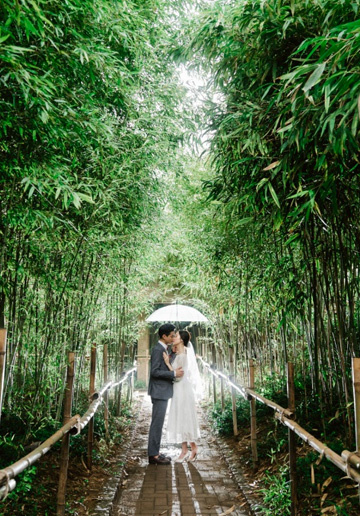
x: 156, y: 363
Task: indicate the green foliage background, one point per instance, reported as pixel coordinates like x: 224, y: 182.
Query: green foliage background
x: 120, y: 186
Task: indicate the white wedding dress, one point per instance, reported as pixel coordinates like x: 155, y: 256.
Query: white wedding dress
x: 182, y: 422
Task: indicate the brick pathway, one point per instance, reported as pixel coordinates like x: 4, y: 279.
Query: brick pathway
x: 188, y: 489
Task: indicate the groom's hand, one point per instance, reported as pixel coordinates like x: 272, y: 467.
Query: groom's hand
x: 179, y: 372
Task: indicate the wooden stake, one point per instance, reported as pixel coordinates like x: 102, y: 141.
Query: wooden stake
x: 2, y: 365
x: 233, y: 392
x: 222, y: 394
x: 214, y: 367
x: 65, y: 443
x: 119, y: 395
x: 130, y: 388
x: 106, y: 395
x: 91, y: 422
x: 292, y: 438
x: 253, y: 417
x: 356, y: 390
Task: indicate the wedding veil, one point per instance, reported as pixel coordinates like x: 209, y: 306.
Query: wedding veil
x: 194, y: 373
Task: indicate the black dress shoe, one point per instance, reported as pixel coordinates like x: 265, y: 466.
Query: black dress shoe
x: 162, y: 456
x: 159, y: 460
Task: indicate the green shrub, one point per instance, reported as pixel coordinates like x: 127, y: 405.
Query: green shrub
x: 276, y: 495
x: 222, y: 420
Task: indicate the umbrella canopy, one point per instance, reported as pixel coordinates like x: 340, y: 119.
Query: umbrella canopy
x: 172, y: 313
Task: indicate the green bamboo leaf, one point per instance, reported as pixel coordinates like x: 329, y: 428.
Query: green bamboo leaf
x: 261, y: 183
x: 85, y: 197
x: 4, y: 38
x: 273, y: 195
x: 244, y: 221
x: 314, y: 77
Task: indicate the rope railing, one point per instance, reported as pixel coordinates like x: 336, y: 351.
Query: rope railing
x: 348, y: 462
x: 245, y: 391
x: 18, y: 467
x: 97, y: 399
x: 73, y: 426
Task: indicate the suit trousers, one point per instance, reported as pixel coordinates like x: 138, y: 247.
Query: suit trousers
x: 157, y: 423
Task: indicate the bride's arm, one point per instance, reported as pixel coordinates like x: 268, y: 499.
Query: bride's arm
x: 167, y: 361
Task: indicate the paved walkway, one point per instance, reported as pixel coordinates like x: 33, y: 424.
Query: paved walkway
x: 186, y: 489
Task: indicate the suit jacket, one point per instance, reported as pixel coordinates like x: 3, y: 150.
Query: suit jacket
x: 161, y: 379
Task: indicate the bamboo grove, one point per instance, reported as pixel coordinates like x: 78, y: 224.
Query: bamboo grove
x: 103, y: 207
x: 284, y: 146
x: 87, y: 125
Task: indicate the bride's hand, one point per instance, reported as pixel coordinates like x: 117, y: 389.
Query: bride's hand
x: 166, y: 358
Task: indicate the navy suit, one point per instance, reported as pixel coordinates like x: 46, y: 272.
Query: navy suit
x: 161, y: 390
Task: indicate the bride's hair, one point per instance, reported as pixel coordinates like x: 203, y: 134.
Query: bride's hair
x: 185, y: 336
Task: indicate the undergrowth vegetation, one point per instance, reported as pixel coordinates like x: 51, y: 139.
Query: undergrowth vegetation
x: 322, y: 487
x: 36, y: 482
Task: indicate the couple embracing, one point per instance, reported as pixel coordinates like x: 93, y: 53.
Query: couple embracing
x: 174, y: 376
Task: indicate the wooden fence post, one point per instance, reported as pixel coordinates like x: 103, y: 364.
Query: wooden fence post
x: 65, y: 443
x: 2, y: 365
x: 253, y: 416
x: 119, y: 395
x: 221, y: 360
x: 233, y: 393
x: 91, y: 422
x: 106, y: 394
x: 356, y: 390
x: 213, y: 365
x: 130, y: 387
x: 292, y: 438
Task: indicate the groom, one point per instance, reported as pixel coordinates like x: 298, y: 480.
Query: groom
x: 160, y: 390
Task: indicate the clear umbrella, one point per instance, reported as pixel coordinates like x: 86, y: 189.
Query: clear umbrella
x: 173, y: 313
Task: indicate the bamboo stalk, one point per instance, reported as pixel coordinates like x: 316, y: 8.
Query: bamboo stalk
x: 270, y: 403
x: 91, y: 422
x: 292, y: 438
x: 356, y: 389
x: 222, y: 395
x: 2, y: 365
x: 106, y: 395
x: 123, y: 377
x: 213, y: 365
x: 353, y: 458
x: 65, y: 445
x: 5, y: 490
x: 253, y: 417
x: 131, y: 387
x: 233, y: 394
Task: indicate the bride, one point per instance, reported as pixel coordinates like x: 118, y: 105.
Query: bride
x: 182, y: 423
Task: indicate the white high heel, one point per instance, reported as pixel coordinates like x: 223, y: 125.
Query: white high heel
x: 182, y: 459
x: 193, y: 459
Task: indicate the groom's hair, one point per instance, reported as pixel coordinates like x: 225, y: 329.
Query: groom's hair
x: 166, y: 329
